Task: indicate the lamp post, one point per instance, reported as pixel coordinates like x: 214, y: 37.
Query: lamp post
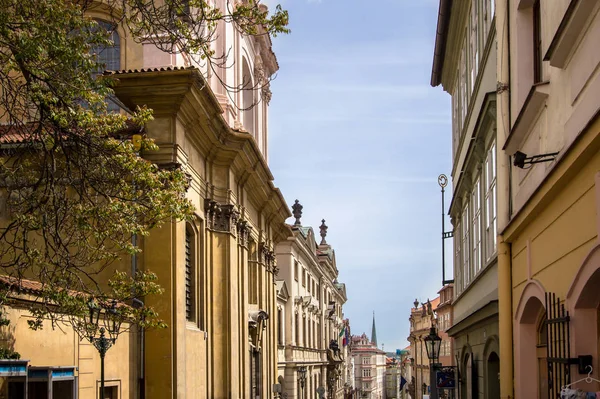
x: 302, y: 378
x: 432, y: 346
x: 112, y: 325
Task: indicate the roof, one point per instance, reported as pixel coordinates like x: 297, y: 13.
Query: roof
x: 441, y: 35
x: 147, y: 70
x: 22, y: 285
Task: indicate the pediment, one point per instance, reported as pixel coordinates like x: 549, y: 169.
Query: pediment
x: 282, y: 290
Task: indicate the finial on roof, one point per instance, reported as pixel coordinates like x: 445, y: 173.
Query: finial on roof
x: 297, y: 212
x: 416, y: 303
x: 323, y: 229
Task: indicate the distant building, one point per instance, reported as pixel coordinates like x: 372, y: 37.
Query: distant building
x: 422, y: 318
x: 311, y: 333
x: 393, y: 374
x: 369, y: 368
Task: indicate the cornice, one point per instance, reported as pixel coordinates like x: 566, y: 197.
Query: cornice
x: 183, y: 93
x: 459, y: 13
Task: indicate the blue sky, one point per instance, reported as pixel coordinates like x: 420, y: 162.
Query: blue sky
x: 359, y: 137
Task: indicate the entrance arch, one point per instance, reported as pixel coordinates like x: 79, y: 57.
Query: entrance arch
x: 530, y: 309
x: 583, y: 301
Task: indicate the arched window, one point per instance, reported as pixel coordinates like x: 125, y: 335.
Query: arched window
x: 248, y: 108
x: 108, y: 57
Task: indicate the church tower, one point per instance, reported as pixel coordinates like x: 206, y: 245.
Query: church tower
x: 374, y: 332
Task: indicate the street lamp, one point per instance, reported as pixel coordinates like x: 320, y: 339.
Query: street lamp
x: 302, y: 378
x: 433, y: 343
x: 112, y: 325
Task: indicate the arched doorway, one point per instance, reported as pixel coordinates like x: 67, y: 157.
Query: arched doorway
x: 493, y: 376
x: 583, y: 301
x: 465, y: 376
x: 529, y: 366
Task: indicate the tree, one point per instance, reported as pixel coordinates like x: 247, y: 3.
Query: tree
x: 74, y: 185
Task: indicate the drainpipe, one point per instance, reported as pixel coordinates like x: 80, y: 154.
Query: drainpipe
x: 503, y: 202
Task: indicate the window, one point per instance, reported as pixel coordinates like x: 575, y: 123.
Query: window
x: 366, y: 360
x: 458, y: 258
x: 318, y: 292
x: 303, y: 277
x: 248, y: 109
x: 463, y: 86
x: 455, y: 117
x: 255, y: 373
x: 296, y: 270
x: 473, y: 46
x: 309, y: 282
x: 476, y: 227
x: 537, y: 43
x: 366, y: 373
x: 490, y: 202
x: 110, y: 393
x: 465, y: 247
x: 297, y: 330
x: 304, y: 331
x: 108, y: 57
x: 190, y: 274
x: 280, y: 322
x: 367, y: 385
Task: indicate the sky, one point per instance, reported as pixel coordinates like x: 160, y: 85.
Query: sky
x: 358, y: 135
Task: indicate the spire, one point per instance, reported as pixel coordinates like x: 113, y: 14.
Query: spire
x: 374, y: 332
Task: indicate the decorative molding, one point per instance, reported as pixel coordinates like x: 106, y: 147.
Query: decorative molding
x: 267, y: 257
x: 221, y: 218
x: 266, y: 93
x: 243, y: 231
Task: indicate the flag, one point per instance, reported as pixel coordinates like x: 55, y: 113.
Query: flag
x: 342, y: 332
x: 346, y: 339
x: 402, y: 382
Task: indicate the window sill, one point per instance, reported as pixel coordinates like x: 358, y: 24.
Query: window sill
x: 568, y: 32
x: 535, y: 101
x: 493, y: 259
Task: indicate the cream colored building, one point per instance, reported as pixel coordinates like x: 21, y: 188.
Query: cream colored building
x: 548, y: 220
x: 219, y: 270
x: 310, y: 316
x: 369, y: 368
x: 465, y: 65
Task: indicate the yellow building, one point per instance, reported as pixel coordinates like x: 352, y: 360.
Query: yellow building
x: 549, y: 195
x: 218, y: 271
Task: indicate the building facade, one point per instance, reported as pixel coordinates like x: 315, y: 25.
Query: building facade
x: 369, y: 368
x: 393, y: 376
x: 421, y: 319
x: 548, y: 219
x: 218, y: 270
x: 444, y: 321
x: 465, y: 65
x: 312, y: 334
